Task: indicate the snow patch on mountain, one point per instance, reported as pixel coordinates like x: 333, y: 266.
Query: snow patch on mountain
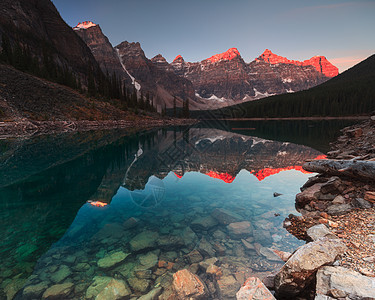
x: 134, y: 82
x: 259, y: 95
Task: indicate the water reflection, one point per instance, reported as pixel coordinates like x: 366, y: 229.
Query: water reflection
x: 148, y: 205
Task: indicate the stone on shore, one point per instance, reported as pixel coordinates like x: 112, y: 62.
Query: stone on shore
x: 299, y: 271
x: 339, y: 209
x: 240, y: 229
x: 308, y: 195
x: 370, y: 196
x: 254, y: 289
x: 339, y: 282
x: 111, y: 260
x: 319, y: 231
x: 188, y: 285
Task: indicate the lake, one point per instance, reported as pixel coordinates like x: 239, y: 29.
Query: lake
x: 81, y: 208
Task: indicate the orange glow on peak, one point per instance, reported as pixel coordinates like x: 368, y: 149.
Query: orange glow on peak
x: 323, y: 156
x: 222, y: 176
x: 97, y: 203
x: 178, y: 57
x: 85, y: 25
x: 263, y: 173
x: 179, y: 176
x: 228, y: 55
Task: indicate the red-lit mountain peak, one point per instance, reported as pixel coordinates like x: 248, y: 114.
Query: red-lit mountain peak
x: 84, y: 25
x: 228, y: 55
x: 222, y: 176
x: 178, y: 58
x: 320, y: 63
x: 272, y: 58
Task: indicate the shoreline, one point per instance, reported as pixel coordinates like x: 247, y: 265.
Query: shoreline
x: 337, y: 208
x: 290, y: 119
x: 31, y: 128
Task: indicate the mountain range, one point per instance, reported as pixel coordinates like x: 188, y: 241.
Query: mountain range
x: 83, y: 54
x: 221, y: 80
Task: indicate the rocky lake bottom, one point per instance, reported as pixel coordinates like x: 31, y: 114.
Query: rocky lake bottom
x: 212, y: 211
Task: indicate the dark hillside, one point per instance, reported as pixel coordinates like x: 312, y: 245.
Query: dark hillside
x: 23, y: 96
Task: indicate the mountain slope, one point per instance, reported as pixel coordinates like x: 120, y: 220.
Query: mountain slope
x: 161, y: 82
x: 24, y: 97
x: 350, y: 93
x: 227, y: 78
x: 37, y: 26
x: 102, y: 50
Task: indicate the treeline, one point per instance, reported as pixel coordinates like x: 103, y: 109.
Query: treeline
x: 97, y: 84
x: 179, y: 112
x: 350, y: 93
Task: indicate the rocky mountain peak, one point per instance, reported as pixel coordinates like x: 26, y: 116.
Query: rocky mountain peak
x: 272, y: 58
x: 159, y: 59
x: 320, y: 63
x: 178, y: 59
x: 228, y: 55
x: 84, y: 25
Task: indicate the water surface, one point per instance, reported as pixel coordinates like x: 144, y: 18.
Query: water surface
x: 160, y: 197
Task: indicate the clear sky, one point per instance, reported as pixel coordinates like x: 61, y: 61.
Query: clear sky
x: 343, y: 31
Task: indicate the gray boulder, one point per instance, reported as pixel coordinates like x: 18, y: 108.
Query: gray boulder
x: 319, y: 231
x: 339, y: 282
x: 299, y: 271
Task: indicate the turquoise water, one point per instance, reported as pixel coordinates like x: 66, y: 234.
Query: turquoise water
x: 165, y: 201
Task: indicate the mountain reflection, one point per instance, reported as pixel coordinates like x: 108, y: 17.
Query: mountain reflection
x: 78, y: 190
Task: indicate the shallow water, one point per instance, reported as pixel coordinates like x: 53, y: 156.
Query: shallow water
x: 159, y: 195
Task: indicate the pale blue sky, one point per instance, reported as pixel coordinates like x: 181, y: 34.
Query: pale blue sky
x: 343, y: 31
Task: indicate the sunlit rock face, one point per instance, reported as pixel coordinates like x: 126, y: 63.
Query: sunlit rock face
x: 102, y: 49
x: 226, y: 76
x: 320, y: 63
x: 154, y: 76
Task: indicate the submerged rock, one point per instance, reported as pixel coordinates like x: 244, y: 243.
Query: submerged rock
x: 141, y: 285
x: 225, y: 217
x: 342, y: 282
x: 240, y: 229
x: 188, y: 285
x: 62, y: 273
x: 254, y: 289
x: 58, y: 291
x: 114, y: 290
x: 111, y: 260
x: 98, y: 284
x: 204, y: 223
x: 144, y: 240
x: 34, y: 291
x: 228, y: 287
x: 299, y: 271
x: 206, y: 248
x: 149, y: 260
x: 152, y: 295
